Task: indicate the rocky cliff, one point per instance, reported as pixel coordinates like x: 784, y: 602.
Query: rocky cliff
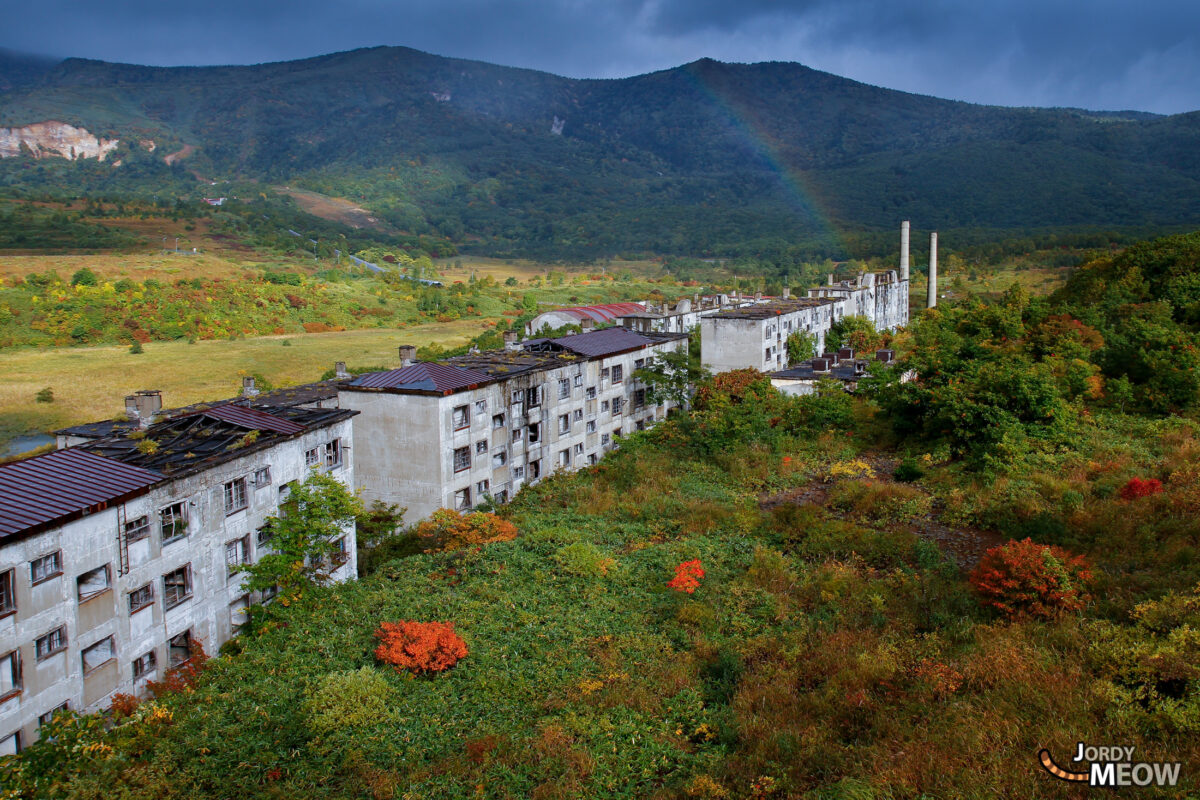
x: 44, y: 139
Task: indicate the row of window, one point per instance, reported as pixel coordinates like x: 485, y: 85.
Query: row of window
x: 531, y: 397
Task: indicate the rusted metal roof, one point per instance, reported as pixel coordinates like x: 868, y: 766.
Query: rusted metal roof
x: 603, y: 342
x: 423, y: 377
x: 41, y: 490
x: 601, y: 313
x: 252, y: 419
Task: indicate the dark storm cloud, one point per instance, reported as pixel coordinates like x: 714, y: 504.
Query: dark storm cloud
x: 1096, y: 54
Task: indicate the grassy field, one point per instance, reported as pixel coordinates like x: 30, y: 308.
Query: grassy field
x: 90, y: 383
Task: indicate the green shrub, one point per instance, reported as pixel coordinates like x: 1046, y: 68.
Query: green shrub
x: 584, y: 560
x: 45, y: 395
x: 346, y: 699
x: 908, y: 470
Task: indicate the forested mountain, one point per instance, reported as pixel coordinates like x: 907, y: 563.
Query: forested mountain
x: 706, y: 157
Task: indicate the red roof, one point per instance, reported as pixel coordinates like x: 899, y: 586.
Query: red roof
x: 602, y: 313
x: 40, y: 490
x: 253, y: 419
x: 426, y: 377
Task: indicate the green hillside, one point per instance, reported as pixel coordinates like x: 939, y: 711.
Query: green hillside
x: 702, y: 158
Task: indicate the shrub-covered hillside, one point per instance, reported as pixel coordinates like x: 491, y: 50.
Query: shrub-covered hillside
x: 906, y: 593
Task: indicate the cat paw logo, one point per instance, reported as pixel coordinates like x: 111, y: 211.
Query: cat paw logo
x: 1112, y: 766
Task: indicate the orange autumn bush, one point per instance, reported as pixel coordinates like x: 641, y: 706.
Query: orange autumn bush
x: 450, y: 530
x: 1025, y: 579
x: 419, y: 646
x: 687, y: 577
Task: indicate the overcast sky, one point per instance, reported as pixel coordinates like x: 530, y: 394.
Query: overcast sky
x: 1099, y: 54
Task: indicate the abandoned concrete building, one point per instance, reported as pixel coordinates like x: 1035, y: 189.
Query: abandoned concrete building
x: 756, y: 336
x: 116, y: 554
x: 450, y: 433
x: 842, y: 366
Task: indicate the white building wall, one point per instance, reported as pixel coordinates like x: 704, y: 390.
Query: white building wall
x: 405, y: 443
x: 93, y: 541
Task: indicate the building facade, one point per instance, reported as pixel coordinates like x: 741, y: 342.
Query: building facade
x: 116, y: 558
x: 448, y: 434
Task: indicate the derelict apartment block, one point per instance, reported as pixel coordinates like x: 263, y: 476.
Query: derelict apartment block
x: 447, y: 434
x: 116, y: 555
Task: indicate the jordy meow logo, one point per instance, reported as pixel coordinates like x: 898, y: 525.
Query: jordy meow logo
x: 1113, y: 766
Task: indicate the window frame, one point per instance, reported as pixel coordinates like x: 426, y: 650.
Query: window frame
x: 107, y: 570
x: 229, y: 490
x: 333, y: 453
x: 51, y: 649
x: 172, y: 645
x: 137, y: 529
x: 34, y: 580
x: 243, y: 544
x: 8, y: 592
x: 460, y: 418
x: 172, y: 600
x: 145, y: 601
x: 13, y: 658
x: 262, y: 477
x: 112, y: 644
x: 564, y: 388
x: 144, y: 665
x: 564, y: 424
x: 178, y: 524
x: 49, y: 715
x: 462, y: 499
x: 497, y: 421
x: 618, y: 374
x: 462, y: 459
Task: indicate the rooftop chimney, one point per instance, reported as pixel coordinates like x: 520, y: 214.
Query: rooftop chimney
x: 512, y: 340
x: 408, y: 354
x: 830, y: 279
x: 339, y: 371
x: 587, y: 324
x: 904, y: 250
x: 821, y: 364
x: 787, y: 292
x: 845, y: 354
x: 248, y: 387
x: 885, y: 356
x: 141, y: 406
x: 931, y: 297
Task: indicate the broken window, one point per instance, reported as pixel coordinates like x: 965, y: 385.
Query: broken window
x: 534, y: 431
x: 591, y: 393
x: 591, y: 426
x: 564, y: 423
x: 93, y: 583
x: 141, y: 598
x: 99, y: 654
x: 8, y: 598
x: 617, y: 404
x: 564, y: 458
x: 499, y: 458
x: 639, y: 363
x: 639, y: 398
x: 172, y: 522
x: 517, y: 434
x: 237, y: 553
x: 481, y: 447
x: 137, y: 529
x: 603, y: 439
x: 481, y: 407
x: 497, y: 421
x: 177, y: 586
x: 179, y: 649
x: 603, y: 406
x: 144, y: 665
x: 262, y: 537
x: 11, y: 745
x: 578, y: 449
x: 501, y: 496
x: 238, y: 613
x: 53, y: 642
x: 591, y: 459
x: 518, y: 473
x: 460, y: 418
x: 462, y: 459
x: 333, y: 453
x: 262, y: 477
x: 564, y: 388
x: 617, y: 373
x: 535, y: 469
x: 235, y: 496
x: 10, y: 673
x: 462, y: 500
x: 578, y: 415
x: 533, y: 396
x: 604, y: 374
x: 46, y: 567
x: 312, y: 457
x: 579, y: 380
x: 482, y: 487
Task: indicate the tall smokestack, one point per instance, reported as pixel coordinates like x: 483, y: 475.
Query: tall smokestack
x: 904, y: 250
x: 931, y: 298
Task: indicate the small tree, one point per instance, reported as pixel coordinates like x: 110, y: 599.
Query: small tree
x: 304, y: 537
x: 1025, y: 579
x: 801, y: 346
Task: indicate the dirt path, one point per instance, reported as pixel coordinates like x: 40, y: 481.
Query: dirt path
x: 965, y: 545
x: 335, y: 209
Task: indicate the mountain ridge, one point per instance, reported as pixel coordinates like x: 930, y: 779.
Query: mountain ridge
x: 535, y: 163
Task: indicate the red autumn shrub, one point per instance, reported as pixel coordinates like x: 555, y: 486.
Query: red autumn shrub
x: 123, y: 705
x: 183, y: 677
x: 451, y: 530
x: 419, y: 646
x: 1024, y: 579
x: 1140, y: 487
x: 687, y: 577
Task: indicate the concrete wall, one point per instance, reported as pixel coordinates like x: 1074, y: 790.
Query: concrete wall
x: 405, y: 443
x: 210, y: 613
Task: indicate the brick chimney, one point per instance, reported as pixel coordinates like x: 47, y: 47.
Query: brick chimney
x: 587, y: 324
x: 141, y: 406
x: 248, y: 387
x: 408, y: 354
x: 339, y: 371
